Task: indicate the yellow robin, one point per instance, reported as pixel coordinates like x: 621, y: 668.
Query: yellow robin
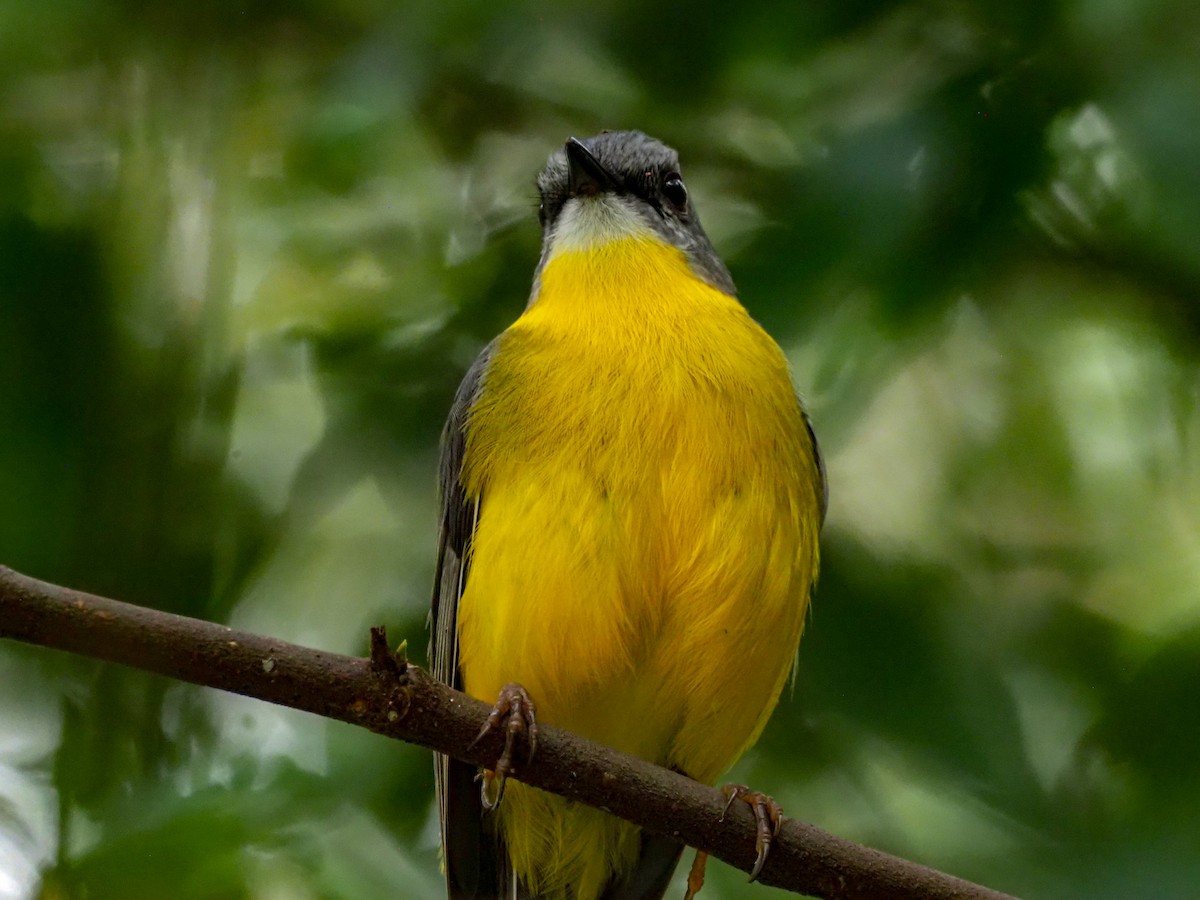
x: 631, y: 501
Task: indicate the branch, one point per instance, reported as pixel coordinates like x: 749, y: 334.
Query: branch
x: 392, y: 698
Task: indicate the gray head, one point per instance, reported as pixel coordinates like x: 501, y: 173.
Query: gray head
x: 620, y: 183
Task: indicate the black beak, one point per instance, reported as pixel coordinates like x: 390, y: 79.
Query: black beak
x: 585, y: 176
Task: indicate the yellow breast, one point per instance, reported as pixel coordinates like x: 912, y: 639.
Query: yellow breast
x: 648, y: 525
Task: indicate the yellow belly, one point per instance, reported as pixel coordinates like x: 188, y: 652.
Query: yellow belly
x: 647, y: 534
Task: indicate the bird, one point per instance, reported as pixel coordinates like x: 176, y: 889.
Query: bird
x: 631, y: 500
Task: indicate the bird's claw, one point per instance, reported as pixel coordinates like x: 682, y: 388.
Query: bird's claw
x: 515, y: 713
x: 768, y: 818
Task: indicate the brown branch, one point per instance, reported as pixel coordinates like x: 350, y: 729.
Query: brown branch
x: 388, y: 696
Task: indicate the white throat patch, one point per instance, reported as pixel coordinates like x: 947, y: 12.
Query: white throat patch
x: 588, y: 222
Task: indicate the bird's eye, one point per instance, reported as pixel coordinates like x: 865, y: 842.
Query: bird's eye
x: 674, y: 191
x: 542, y: 213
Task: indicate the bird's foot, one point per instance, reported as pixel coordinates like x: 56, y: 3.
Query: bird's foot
x: 515, y: 713
x: 768, y: 817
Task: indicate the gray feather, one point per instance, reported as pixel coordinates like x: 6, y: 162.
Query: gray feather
x: 819, y: 460
x: 474, y: 862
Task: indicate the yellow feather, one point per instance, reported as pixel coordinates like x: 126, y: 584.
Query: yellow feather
x: 647, y: 537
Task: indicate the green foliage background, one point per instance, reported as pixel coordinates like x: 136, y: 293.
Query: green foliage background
x: 247, y: 251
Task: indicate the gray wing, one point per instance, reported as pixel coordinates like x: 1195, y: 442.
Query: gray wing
x: 456, y: 525
x: 823, y: 495
x: 473, y: 860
